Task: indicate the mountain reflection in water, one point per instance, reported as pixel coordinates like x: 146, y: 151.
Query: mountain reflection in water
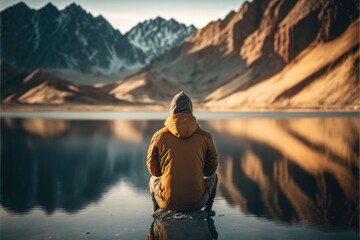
x: 288, y: 170
x: 292, y: 169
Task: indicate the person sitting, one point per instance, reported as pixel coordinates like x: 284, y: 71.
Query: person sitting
x: 182, y: 160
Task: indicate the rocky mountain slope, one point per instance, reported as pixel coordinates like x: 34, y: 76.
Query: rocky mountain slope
x: 73, y: 41
x: 269, y: 54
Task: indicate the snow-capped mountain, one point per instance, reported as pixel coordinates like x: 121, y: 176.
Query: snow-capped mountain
x: 73, y: 40
x: 69, y: 39
x: 158, y: 35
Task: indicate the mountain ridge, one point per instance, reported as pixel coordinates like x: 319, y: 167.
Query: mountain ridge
x: 68, y: 41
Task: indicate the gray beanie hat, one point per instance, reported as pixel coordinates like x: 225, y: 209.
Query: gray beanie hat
x: 181, y: 103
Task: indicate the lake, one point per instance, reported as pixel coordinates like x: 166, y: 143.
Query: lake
x: 83, y: 176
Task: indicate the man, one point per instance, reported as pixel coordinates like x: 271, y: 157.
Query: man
x: 182, y: 160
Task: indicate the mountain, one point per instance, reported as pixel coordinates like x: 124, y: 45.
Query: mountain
x: 41, y: 87
x: 306, y: 57
x: 11, y: 79
x: 71, y: 41
x: 156, y: 36
x: 268, y: 54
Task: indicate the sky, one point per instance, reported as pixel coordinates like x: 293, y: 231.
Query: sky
x: 125, y: 14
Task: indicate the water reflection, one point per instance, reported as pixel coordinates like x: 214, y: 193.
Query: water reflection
x: 183, y: 229
x: 289, y: 170
x: 69, y: 166
x: 293, y: 170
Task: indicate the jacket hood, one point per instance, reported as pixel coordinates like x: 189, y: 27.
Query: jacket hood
x: 181, y: 125
x: 181, y: 103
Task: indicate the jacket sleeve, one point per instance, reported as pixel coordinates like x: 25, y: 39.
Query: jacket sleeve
x: 152, y: 160
x: 211, y: 159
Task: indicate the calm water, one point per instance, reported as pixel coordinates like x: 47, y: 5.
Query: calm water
x: 280, y: 178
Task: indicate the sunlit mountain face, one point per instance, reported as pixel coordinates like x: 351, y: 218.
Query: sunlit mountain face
x: 291, y: 171
x: 267, y: 55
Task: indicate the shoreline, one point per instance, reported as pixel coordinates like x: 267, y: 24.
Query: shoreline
x: 164, y: 108
x: 161, y: 114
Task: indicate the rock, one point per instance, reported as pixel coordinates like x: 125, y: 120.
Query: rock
x: 161, y: 214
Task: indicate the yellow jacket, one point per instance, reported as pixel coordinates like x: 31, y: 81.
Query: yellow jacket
x: 182, y: 154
